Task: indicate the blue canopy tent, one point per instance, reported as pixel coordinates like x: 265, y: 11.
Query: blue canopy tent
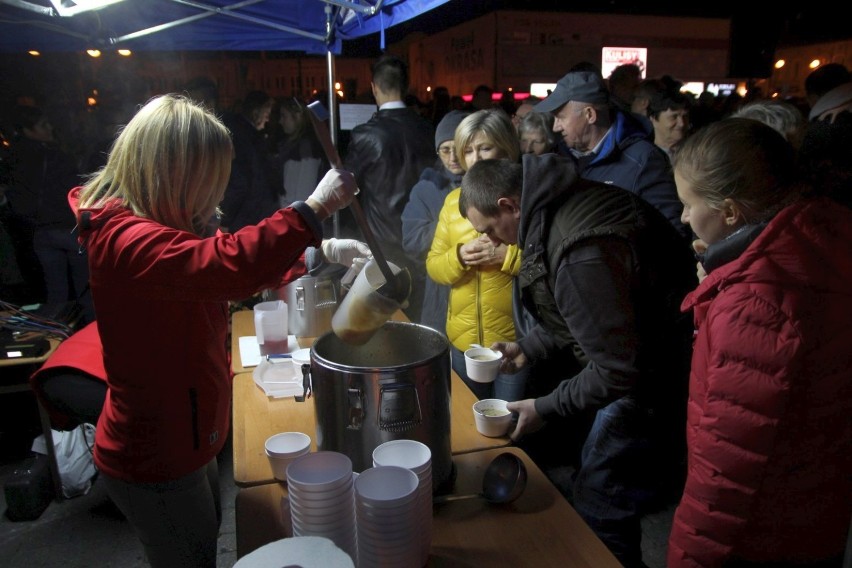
x: 309, y: 26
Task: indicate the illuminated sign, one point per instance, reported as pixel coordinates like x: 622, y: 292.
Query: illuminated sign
x: 721, y: 88
x: 541, y: 90
x: 612, y: 57
x: 694, y: 87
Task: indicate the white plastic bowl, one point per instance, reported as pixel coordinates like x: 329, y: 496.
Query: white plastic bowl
x: 482, y: 364
x: 386, y: 486
x: 409, y: 454
x: 301, y: 356
x: 288, y: 444
x: 283, y: 449
x: 319, y: 471
x: 492, y: 418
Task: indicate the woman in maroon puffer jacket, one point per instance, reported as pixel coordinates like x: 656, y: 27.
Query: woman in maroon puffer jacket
x: 769, y: 463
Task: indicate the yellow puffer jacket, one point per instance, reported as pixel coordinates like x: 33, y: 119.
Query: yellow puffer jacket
x: 480, y: 306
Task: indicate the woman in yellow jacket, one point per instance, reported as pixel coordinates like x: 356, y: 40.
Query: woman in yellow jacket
x: 479, y: 274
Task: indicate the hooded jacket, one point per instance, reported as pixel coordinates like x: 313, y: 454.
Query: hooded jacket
x: 603, y: 273
x: 161, y: 296
x: 769, y: 419
x: 631, y: 161
x: 480, y: 306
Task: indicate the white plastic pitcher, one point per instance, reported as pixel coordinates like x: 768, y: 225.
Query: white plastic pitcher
x: 364, y: 309
x: 270, y: 327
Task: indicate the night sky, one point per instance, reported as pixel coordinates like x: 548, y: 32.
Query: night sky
x: 762, y: 22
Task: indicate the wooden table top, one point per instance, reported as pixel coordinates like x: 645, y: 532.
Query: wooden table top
x: 539, y: 529
x: 257, y: 416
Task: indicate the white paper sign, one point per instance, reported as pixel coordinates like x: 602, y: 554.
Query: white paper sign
x: 353, y: 115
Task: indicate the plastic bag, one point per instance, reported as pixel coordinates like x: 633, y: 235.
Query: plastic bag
x: 74, y: 458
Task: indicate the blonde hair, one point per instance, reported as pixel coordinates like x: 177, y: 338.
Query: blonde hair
x: 170, y: 163
x: 496, y: 125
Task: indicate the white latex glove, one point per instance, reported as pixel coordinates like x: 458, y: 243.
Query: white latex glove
x: 344, y: 251
x: 335, y: 190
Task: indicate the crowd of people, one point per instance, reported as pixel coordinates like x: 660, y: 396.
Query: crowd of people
x: 666, y: 277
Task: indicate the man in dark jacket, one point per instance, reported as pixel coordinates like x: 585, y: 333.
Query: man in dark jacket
x: 41, y: 221
x: 251, y: 195
x: 387, y: 154
x: 610, y: 146
x: 603, y: 274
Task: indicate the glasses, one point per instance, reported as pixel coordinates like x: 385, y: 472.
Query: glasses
x: 446, y: 151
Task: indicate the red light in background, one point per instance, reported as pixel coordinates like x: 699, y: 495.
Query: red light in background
x: 497, y: 97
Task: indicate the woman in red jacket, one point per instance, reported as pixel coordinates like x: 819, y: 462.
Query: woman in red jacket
x: 769, y: 433
x: 161, y: 277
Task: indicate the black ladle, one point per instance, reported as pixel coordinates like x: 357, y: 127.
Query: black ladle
x: 504, y: 481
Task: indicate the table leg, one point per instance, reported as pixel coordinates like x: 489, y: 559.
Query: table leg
x: 51, y: 451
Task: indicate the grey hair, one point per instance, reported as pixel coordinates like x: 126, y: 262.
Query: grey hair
x: 538, y: 121
x: 785, y: 118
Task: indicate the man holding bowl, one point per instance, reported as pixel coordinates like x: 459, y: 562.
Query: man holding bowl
x: 603, y: 273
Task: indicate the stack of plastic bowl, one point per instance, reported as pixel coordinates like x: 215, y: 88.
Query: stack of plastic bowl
x: 283, y: 449
x: 417, y: 457
x: 388, y: 518
x: 322, y: 499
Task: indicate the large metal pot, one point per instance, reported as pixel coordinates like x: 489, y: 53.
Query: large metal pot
x: 311, y: 303
x: 395, y: 386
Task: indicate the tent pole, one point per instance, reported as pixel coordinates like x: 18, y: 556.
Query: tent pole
x: 332, y: 107
x: 332, y: 97
x: 332, y: 123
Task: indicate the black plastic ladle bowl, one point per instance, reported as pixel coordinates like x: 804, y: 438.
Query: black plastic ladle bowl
x: 504, y: 481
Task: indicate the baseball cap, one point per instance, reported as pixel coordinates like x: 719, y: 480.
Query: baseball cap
x: 581, y: 86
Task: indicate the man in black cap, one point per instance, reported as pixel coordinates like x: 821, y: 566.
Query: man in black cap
x: 611, y: 146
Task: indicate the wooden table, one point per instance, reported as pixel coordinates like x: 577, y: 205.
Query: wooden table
x: 539, y: 529
x: 33, y: 361
x: 256, y: 417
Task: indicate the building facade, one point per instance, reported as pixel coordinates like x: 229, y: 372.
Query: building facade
x: 512, y: 49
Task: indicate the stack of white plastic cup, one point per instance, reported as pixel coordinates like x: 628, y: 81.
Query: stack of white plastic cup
x: 387, y: 517
x: 321, y: 492
x: 417, y: 457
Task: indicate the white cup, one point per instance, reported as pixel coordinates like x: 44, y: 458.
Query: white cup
x: 492, y: 418
x: 482, y: 364
x: 364, y: 310
x: 270, y: 327
x: 282, y: 449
